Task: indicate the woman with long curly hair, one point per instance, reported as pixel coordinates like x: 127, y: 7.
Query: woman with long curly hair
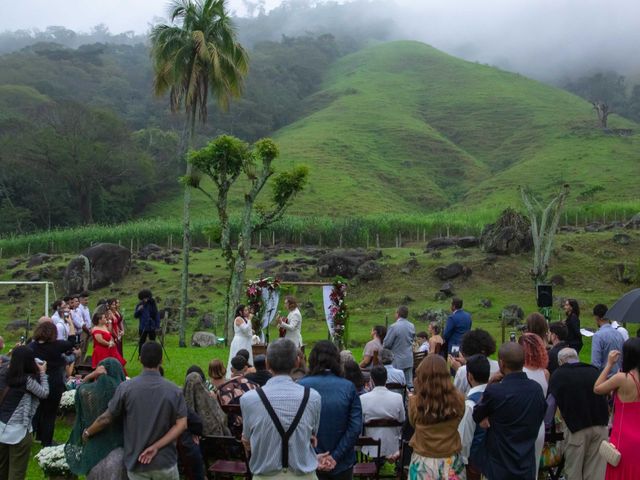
x: 435, y: 411
x: 536, y: 361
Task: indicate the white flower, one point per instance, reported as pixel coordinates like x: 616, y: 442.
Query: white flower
x: 53, y: 461
x: 68, y: 400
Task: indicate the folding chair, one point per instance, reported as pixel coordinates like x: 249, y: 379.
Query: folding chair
x: 382, y: 423
x: 364, y: 467
x: 224, y: 457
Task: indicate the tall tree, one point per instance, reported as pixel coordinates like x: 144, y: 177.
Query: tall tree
x: 196, y: 54
x: 224, y: 160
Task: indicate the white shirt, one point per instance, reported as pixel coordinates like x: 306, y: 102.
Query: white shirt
x: 293, y: 327
x: 623, y: 331
x: 395, y: 375
x: 380, y: 403
x: 86, y: 315
x: 467, y: 427
x: 424, y: 347
x: 460, y: 381
x: 76, y: 318
x: 61, y: 327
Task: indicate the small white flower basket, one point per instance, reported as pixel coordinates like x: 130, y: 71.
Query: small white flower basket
x: 53, y: 463
x: 68, y: 402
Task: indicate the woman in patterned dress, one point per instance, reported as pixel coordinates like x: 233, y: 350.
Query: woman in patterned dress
x: 435, y: 410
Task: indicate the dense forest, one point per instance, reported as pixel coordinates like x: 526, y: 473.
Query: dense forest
x: 83, y: 139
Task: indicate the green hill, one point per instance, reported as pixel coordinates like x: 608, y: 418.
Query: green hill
x: 402, y: 127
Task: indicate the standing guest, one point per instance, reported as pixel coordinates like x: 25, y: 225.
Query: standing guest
x: 382, y: 404
x: 435, y: 340
x: 85, y: 334
x: 605, y: 340
x: 341, y: 413
x: 585, y: 415
x: 423, y: 342
x: 76, y: 317
x: 512, y: 410
x: 285, y: 411
x: 261, y: 375
x: 558, y: 334
x: 23, y: 383
x: 625, y: 386
x: 474, y: 342
x: 435, y: 412
x: 353, y: 373
x: 292, y: 326
x: 472, y: 435
x: 217, y: 375
x: 149, y: 317
x: 102, y: 457
x: 458, y: 323
x: 373, y: 347
x: 394, y: 375
x: 242, y: 335
x: 214, y: 420
x: 103, y: 344
x: 536, y: 323
x: 62, y: 320
x: 151, y: 428
x: 229, y: 393
x: 46, y: 347
x: 621, y: 330
x: 399, y: 340
x: 572, y: 311
x: 536, y: 361
x: 117, y: 324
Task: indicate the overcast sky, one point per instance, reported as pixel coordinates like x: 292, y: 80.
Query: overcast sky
x: 529, y: 36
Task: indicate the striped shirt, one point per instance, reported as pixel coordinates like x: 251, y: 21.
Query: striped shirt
x: 285, y: 397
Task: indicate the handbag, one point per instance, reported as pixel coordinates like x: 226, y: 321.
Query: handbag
x: 608, y: 450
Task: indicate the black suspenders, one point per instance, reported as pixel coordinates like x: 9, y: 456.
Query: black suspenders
x: 274, y: 418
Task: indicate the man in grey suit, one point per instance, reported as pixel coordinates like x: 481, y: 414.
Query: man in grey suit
x: 399, y: 339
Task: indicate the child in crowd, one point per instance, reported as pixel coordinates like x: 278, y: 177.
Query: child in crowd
x: 422, y: 339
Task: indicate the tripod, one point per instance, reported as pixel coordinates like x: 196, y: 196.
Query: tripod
x: 163, y: 332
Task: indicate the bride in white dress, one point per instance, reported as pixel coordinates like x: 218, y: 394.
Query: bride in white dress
x: 242, y: 336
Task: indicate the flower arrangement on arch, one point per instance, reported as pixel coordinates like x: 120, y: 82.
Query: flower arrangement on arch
x: 53, y: 462
x: 338, y: 310
x: 254, y: 298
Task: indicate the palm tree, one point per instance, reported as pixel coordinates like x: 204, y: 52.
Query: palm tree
x: 197, y: 54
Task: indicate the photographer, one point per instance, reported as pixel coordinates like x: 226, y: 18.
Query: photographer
x: 147, y: 313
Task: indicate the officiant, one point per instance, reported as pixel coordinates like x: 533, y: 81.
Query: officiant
x: 291, y: 325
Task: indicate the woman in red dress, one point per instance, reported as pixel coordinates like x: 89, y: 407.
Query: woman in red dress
x: 625, y: 386
x: 117, y: 325
x: 103, y: 344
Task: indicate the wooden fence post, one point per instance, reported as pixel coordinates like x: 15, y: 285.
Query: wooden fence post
x: 377, y: 240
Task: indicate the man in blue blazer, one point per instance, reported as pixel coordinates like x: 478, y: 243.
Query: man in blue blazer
x: 513, y: 411
x: 458, y: 323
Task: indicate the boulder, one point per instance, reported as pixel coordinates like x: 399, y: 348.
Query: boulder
x: 15, y: 293
x: 557, y: 281
x: 108, y: 263
x: 370, y: 270
x: 290, y: 276
x: 203, y: 339
x: 75, y: 278
x: 149, y: 249
x: 634, y: 222
x: 468, y: 242
x: 13, y: 263
x: 440, y: 242
x: 451, y: 271
x: 437, y: 315
x: 485, y: 303
x: 512, y: 315
x: 511, y: 234
x: 447, y: 289
x: 38, y: 259
x: 171, y: 260
x: 567, y: 248
x: 17, y: 325
x: 622, y: 239
x: 410, y: 266
x: 344, y: 262
x: 269, y: 264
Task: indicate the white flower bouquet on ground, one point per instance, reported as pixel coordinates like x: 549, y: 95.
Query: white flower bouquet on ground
x: 68, y: 402
x: 53, y: 462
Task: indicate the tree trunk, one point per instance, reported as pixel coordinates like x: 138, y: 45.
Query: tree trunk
x: 603, y: 111
x: 187, y: 136
x: 86, y: 207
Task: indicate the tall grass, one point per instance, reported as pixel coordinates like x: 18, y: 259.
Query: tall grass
x: 382, y: 230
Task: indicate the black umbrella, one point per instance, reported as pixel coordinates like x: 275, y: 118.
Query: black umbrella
x: 627, y: 308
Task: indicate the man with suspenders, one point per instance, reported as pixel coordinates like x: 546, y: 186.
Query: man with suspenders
x: 280, y: 420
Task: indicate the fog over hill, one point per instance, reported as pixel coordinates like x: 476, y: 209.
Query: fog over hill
x: 545, y: 39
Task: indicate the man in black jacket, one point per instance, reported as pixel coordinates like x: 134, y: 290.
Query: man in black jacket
x: 585, y: 415
x: 512, y: 410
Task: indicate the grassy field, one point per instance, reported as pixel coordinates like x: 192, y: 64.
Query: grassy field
x: 586, y: 262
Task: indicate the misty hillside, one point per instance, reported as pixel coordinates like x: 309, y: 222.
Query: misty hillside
x: 403, y: 127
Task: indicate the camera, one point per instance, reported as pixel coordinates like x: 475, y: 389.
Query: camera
x: 512, y: 337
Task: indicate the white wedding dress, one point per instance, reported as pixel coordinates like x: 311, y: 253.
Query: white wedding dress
x: 241, y: 339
